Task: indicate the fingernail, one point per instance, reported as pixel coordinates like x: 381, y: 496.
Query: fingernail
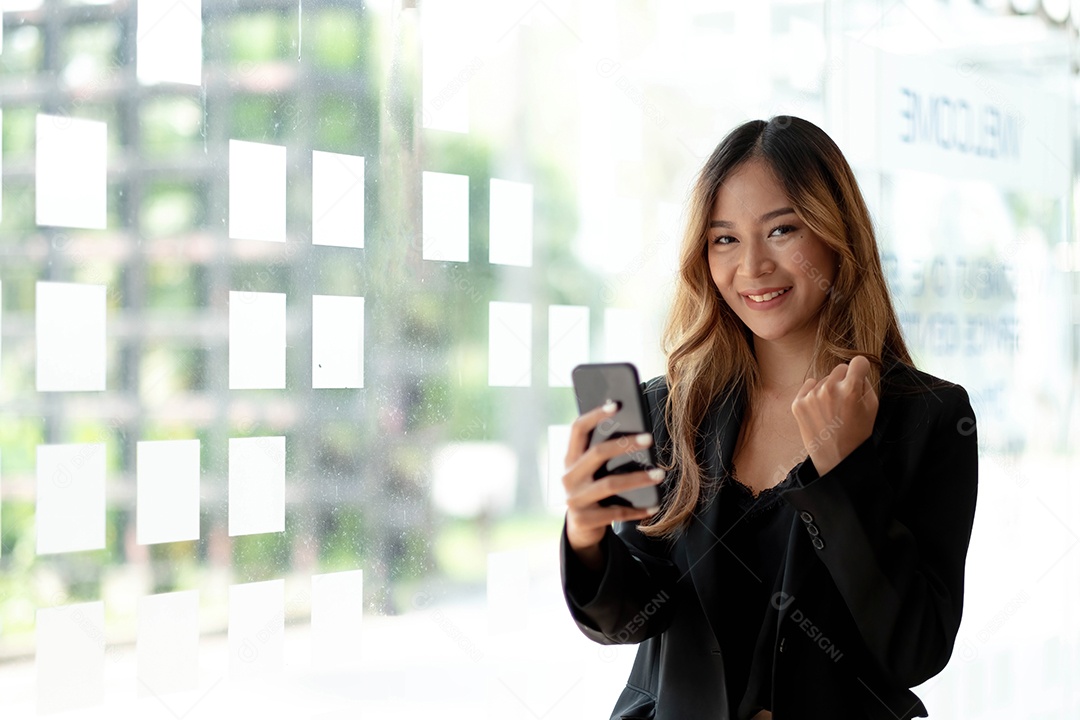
x: 652, y: 510
x: 656, y: 474
x: 610, y: 406
x: 643, y: 438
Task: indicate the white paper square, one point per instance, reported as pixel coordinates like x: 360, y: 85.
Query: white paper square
x: 256, y: 628
x: 256, y: 340
x: 167, y: 491
x: 558, y: 440
x: 70, y: 660
x: 623, y: 333
x: 168, y: 41
x: 445, y: 217
x: 568, y: 342
x: 511, y: 229
x: 446, y: 68
x: 1, y: 134
x: 256, y: 485
x: 256, y: 191
x: 509, y: 344
x: 337, y: 341
x: 337, y: 199
x: 70, y: 512
x: 508, y: 591
x: 70, y: 172
x: 337, y: 603
x: 167, y: 643
x: 70, y: 327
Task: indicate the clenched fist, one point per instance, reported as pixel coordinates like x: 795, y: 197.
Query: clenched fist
x: 836, y: 413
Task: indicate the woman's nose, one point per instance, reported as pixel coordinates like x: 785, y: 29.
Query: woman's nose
x: 755, y: 260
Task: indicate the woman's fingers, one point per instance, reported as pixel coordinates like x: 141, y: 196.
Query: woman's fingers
x: 808, y: 385
x: 857, y: 371
x: 585, y: 494
x: 586, y: 519
x: 582, y: 426
x: 585, y: 528
x: 585, y: 466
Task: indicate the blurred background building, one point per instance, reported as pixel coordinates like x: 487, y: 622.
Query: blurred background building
x: 290, y: 294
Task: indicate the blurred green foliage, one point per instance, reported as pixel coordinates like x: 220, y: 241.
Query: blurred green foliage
x: 372, y: 448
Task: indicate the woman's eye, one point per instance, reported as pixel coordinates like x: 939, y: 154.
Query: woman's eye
x: 782, y: 230
x: 723, y: 240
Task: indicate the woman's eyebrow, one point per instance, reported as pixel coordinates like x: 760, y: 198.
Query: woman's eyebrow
x: 764, y: 218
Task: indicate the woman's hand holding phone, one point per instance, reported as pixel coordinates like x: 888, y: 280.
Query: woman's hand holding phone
x: 586, y: 519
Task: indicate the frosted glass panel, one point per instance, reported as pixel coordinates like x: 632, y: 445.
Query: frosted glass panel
x: 511, y: 229
x: 70, y: 497
x: 337, y: 603
x: 446, y: 217
x: 167, y: 491
x: 70, y: 172
x: 256, y: 191
x: 337, y: 199
x: 623, y: 337
x: 70, y: 325
x: 508, y: 591
x: 256, y: 340
x: 169, y: 41
x: 70, y: 662
x: 167, y: 645
x: 256, y: 485
x: 256, y: 628
x: 509, y: 344
x: 568, y: 342
x: 337, y: 341
x: 457, y: 489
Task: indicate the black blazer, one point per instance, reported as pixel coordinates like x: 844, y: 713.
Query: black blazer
x: 872, y: 583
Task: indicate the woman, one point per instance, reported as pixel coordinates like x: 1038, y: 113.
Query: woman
x: 818, y: 491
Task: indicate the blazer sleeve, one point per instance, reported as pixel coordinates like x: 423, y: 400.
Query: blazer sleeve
x: 897, y: 551
x: 632, y: 598
x: 634, y: 595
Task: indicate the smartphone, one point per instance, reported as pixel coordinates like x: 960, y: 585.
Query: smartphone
x: 594, y: 385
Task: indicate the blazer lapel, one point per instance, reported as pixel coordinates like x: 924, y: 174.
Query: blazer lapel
x: 716, y: 447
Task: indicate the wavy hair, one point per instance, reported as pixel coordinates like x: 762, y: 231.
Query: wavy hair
x: 709, y: 349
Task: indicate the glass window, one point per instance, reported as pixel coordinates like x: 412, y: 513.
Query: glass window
x: 290, y: 295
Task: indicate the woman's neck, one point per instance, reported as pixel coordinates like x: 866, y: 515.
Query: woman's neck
x: 783, y: 365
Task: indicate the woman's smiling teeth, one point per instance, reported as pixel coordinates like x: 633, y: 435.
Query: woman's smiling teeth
x: 769, y: 296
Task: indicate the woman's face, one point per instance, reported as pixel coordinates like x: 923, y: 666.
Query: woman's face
x: 758, y: 247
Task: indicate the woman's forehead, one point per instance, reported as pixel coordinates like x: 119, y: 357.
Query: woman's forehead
x: 750, y: 190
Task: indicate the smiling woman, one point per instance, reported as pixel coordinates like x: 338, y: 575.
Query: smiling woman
x: 820, y: 490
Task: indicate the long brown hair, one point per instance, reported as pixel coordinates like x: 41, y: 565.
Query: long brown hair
x: 709, y: 349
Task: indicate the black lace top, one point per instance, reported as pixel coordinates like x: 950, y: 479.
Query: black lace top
x: 754, y: 532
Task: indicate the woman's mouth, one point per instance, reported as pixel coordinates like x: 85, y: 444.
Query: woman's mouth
x: 767, y: 296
